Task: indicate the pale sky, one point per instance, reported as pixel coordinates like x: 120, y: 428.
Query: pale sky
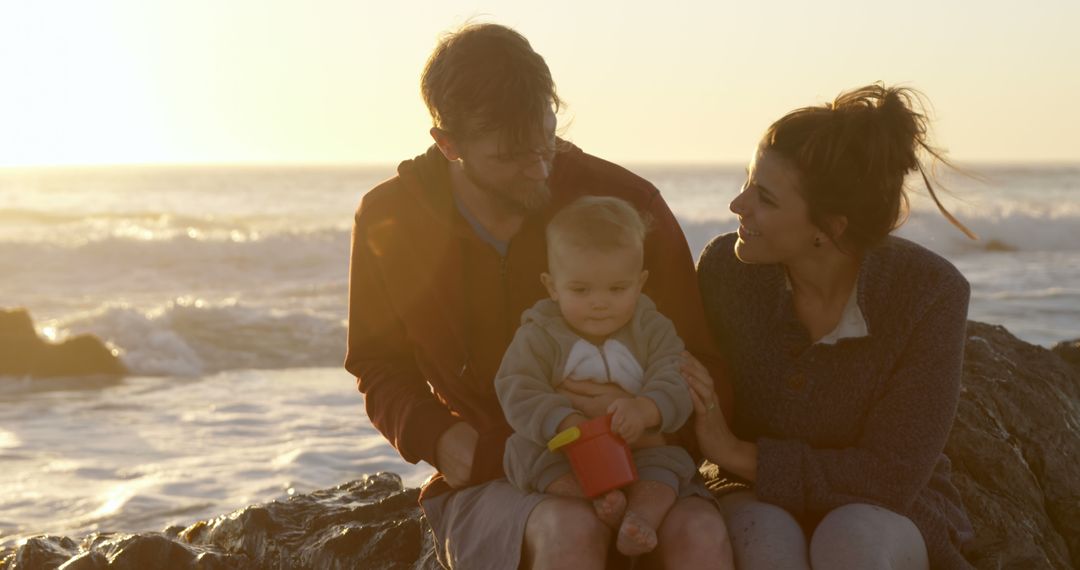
x: 336, y: 81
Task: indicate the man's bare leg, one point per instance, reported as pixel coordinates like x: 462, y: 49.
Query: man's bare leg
x: 565, y: 532
x: 693, y: 535
x: 648, y: 502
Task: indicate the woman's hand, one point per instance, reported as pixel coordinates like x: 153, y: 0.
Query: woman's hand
x: 591, y: 398
x: 715, y: 439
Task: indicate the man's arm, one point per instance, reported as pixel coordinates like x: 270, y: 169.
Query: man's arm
x: 455, y: 453
x: 397, y: 397
x: 673, y: 286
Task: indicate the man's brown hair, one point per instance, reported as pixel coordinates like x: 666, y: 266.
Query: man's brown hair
x: 484, y: 78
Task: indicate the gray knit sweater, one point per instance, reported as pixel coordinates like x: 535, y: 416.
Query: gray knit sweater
x: 864, y: 420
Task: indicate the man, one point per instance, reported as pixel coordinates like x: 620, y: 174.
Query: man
x: 446, y: 256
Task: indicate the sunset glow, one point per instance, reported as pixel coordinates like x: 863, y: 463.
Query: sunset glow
x: 119, y: 81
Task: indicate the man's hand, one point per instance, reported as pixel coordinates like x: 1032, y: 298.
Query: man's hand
x: 631, y: 416
x: 591, y: 398
x: 454, y: 453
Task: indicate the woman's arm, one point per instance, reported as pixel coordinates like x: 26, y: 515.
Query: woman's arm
x: 904, y: 432
x: 715, y: 439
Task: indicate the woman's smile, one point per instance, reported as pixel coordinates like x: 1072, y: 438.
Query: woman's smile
x: 745, y: 232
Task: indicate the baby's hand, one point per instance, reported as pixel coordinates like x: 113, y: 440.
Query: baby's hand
x: 628, y: 418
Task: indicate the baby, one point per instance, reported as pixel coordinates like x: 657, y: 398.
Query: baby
x: 598, y: 326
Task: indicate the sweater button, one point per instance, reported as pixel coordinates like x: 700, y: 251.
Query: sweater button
x: 797, y: 381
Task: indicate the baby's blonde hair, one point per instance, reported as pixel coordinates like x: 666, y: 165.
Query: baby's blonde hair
x: 596, y: 223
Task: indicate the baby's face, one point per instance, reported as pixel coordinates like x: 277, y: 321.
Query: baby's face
x: 597, y: 291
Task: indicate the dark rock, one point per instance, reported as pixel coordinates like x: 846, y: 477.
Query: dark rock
x: 1069, y: 351
x: 24, y: 353
x: 41, y: 552
x: 1014, y: 449
x: 370, y: 523
x: 136, y: 551
x: 998, y: 245
x: 18, y: 342
x: 90, y: 560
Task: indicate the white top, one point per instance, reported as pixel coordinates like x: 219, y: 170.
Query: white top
x: 852, y: 322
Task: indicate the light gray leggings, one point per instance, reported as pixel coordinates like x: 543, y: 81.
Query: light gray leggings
x: 852, y: 536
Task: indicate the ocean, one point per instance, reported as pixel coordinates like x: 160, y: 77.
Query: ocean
x: 224, y: 290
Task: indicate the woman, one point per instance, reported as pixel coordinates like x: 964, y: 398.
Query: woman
x: 846, y: 346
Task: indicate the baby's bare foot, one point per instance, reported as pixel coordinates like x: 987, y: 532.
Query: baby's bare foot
x: 610, y: 508
x: 636, y: 537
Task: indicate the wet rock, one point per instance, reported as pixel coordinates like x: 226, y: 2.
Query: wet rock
x: 90, y: 560
x: 370, y: 523
x: 24, y: 353
x: 42, y: 552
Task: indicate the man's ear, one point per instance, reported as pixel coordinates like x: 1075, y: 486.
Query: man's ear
x: 445, y: 143
x: 549, y: 284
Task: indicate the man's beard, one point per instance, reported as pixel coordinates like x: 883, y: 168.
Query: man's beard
x: 518, y: 196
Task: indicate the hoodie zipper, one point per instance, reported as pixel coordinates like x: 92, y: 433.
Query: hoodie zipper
x: 603, y: 358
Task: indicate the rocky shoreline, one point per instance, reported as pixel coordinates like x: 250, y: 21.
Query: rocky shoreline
x: 1014, y: 449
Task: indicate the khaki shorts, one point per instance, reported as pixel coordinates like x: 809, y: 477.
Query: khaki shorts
x: 486, y: 523
x: 483, y: 527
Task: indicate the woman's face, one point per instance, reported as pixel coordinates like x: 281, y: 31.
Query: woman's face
x: 774, y: 219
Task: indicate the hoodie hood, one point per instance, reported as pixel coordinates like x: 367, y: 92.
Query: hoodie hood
x: 544, y: 313
x: 427, y: 178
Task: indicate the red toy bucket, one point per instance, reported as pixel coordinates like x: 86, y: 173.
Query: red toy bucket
x: 601, y: 459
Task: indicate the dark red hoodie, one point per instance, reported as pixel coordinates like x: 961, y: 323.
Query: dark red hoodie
x: 432, y: 307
